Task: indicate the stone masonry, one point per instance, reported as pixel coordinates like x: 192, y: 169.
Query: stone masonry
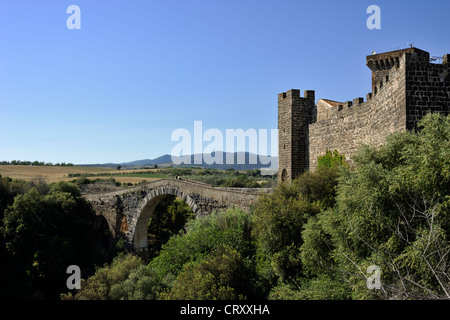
x: 405, y: 86
x: 128, y: 211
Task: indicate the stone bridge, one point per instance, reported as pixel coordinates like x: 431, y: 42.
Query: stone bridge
x: 128, y: 211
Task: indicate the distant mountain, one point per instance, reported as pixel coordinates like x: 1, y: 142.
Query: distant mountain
x: 165, y: 159
x: 241, y: 161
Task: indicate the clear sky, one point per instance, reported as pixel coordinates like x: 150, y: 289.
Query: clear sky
x: 116, y: 89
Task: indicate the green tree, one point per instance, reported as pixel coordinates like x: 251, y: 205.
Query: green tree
x: 392, y: 211
x: 202, y: 236
x: 141, y: 284
x: 220, y: 276
x: 279, y: 219
x: 6, y: 196
x: 318, y: 187
x: 318, y: 288
x: 105, y: 283
x: 45, y: 233
x: 212, y: 260
x: 17, y: 288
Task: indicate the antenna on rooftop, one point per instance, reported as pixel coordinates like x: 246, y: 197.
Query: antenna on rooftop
x: 411, y: 44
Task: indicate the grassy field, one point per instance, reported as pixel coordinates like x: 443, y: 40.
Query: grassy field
x: 52, y: 174
x: 55, y: 174
x: 133, y: 178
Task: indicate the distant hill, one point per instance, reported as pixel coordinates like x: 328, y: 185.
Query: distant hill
x: 166, y: 160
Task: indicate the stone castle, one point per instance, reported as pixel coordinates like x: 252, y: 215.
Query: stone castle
x: 405, y: 86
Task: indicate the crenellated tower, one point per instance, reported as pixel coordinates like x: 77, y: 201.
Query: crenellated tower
x: 294, y: 115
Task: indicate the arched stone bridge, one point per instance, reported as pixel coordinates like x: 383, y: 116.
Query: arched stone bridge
x: 128, y: 211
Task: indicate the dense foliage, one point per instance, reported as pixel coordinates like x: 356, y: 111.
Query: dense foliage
x: 44, y: 230
x: 279, y: 219
x: 211, y: 260
x: 392, y: 211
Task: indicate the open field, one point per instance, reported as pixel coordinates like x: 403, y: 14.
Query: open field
x: 49, y: 173
x: 131, y: 179
x: 54, y: 174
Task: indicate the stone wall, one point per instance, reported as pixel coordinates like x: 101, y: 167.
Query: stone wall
x: 427, y: 87
x: 128, y: 211
x: 405, y: 86
x: 356, y: 122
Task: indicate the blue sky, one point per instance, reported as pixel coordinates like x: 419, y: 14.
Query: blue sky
x: 137, y: 70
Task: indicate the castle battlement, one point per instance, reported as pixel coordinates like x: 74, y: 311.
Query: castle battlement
x: 295, y: 94
x: 405, y: 86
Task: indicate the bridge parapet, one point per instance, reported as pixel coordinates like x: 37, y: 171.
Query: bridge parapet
x: 127, y: 211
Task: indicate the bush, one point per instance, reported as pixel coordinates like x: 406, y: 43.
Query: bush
x: 100, y: 285
x: 279, y: 219
x: 392, y: 211
x: 45, y: 233
x: 141, y: 284
x: 203, y: 235
x: 331, y: 160
x: 220, y: 276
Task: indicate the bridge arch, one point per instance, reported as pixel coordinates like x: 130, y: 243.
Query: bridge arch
x: 127, y: 211
x: 138, y: 227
